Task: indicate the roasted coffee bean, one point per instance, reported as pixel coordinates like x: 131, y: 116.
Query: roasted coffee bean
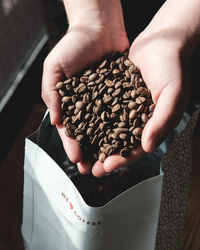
x: 74, y: 98
x: 128, y: 63
x: 87, y: 117
x: 107, y: 99
x: 101, y: 142
x: 102, y: 90
x: 118, y: 84
x: 92, y: 76
x: 106, y: 107
x: 103, y: 64
x: 120, y: 130
x: 102, y: 149
x: 133, y: 94
x: 132, y: 140
x: 79, y: 138
x: 140, y: 108
x: 66, y: 99
x: 61, y: 92
x: 81, y: 125
x: 103, y: 116
x: 60, y: 85
x: 84, y: 78
x: 116, y: 71
x: 123, y: 136
x: 121, y: 66
x: 97, y: 120
x: 81, y: 88
x: 150, y: 114
x: 132, y: 105
x: 87, y: 72
x: 127, y: 85
x: 89, y: 107
x: 116, y: 92
x: 121, y: 124
x: 137, y: 131
x: 124, y: 116
x: 140, y: 100
x: 127, y: 74
x: 113, y: 116
x: 74, y: 84
x: 109, y: 83
x: 76, y: 111
x: 102, y: 157
x: 96, y: 132
x: 136, y: 122
x: 116, y: 108
x: 66, y: 120
x: 102, y: 71
x: 126, y: 95
x: 142, y: 91
x: 101, y: 78
x: 79, y: 105
x: 132, y: 114
x: 102, y: 126
x: 109, y: 150
x: 68, y: 132
x: 125, y: 152
x: 94, y: 140
x: 86, y: 98
x: 68, y: 87
x: 89, y: 131
x: 110, y: 90
x: 151, y: 107
x: 94, y: 95
x: 90, y: 84
x: 144, y: 117
x: 115, y: 101
x: 80, y: 115
x: 96, y: 110
x: 138, y: 83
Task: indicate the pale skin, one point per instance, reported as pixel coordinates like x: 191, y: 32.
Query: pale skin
x: 162, y: 52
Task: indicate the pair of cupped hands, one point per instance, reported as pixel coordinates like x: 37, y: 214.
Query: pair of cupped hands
x: 160, y: 52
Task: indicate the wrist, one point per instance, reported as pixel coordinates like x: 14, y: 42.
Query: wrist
x: 93, y: 12
x: 178, y: 21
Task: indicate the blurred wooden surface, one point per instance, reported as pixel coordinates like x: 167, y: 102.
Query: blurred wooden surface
x: 11, y: 191
x: 11, y: 185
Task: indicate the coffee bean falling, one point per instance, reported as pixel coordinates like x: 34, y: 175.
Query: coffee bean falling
x: 106, y: 107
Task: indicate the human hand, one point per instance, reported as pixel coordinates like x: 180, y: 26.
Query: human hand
x: 91, y: 35
x: 162, y: 53
x: 164, y: 70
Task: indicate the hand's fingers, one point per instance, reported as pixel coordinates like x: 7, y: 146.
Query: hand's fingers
x: 84, y: 167
x: 116, y: 161
x: 51, y: 75
x: 98, y: 169
x: 169, y: 108
x: 70, y: 145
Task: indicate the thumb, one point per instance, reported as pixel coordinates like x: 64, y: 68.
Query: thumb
x: 51, y: 75
x: 168, y: 111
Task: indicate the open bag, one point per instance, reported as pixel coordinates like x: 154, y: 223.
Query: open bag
x: 56, y: 216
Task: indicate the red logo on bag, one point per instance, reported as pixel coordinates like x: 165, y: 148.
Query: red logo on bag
x: 93, y: 223
x: 71, y: 206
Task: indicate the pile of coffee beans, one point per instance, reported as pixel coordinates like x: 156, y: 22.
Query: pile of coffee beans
x: 98, y: 192
x: 106, y: 107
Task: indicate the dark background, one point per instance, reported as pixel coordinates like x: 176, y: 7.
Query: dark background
x: 25, y: 109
